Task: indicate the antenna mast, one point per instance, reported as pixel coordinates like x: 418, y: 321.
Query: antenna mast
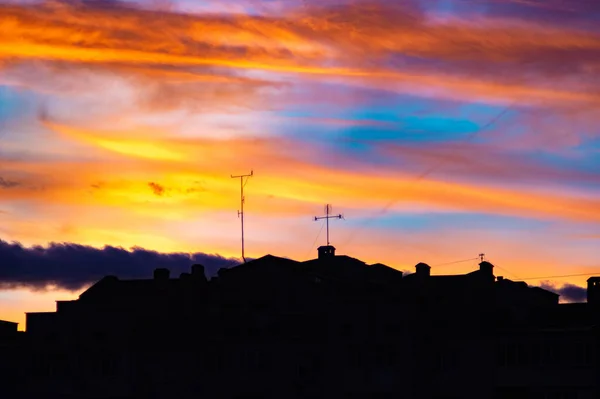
x: 327, y: 217
x: 482, y: 256
x: 242, y: 200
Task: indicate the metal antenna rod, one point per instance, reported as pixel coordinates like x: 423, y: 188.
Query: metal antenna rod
x: 327, y: 217
x: 242, y: 200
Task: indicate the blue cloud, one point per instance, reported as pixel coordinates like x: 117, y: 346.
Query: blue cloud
x: 417, y: 222
x: 14, y: 104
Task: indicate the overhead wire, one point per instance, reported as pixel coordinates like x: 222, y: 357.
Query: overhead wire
x: 513, y: 274
x: 560, y: 276
x: 246, y: 181
x: 455, y: 262
x: 505, y: 270
x: 472, y: 259
x: 522, y: 279
x: 316, y: 239
x: 429, y: 171
x: 508, y: 271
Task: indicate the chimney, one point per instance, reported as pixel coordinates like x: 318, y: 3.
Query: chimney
x: 423, y: 269
x: 326, y: 252
x: 593, y: 290
x: 500, y: 278
x: 161, y: 274
x: 198, y: 270
x: 198, y: 273
x: 486, y: 270
x: 486, y: 267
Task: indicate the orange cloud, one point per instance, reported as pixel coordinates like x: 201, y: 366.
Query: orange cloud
x: 360, y: 43
x: 192, y: 173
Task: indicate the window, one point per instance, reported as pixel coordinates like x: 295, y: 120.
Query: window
x: 584, y: 354
x: 100, y: 336
x: 393, y: 329
x: 522, y: 355
x: 551, y: 354
x: 534, y: 354
x: 516, y: 354
x: 501, y: 355
x: 354, y: 355
x: 386, y: 356
x: 108, y: 366
x: 445, y: 359
x: 346, y: 330
x: 42, y: 366
x: 552, y: 394
x: 511, y: 355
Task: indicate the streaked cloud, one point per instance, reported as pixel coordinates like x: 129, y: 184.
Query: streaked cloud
x: 182, y: 162
x: 397, y: 46
x: 441, y: 129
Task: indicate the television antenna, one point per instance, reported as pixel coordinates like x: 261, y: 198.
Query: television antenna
x: 242, y: 200
x: 327, y: 217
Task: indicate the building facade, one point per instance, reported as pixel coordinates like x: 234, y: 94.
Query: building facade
x: 332, y: 327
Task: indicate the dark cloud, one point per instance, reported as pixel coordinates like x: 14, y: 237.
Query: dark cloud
x: 72, y: 266
x: 579, y: 13
x: 8, y: 183
x: 568, y: 292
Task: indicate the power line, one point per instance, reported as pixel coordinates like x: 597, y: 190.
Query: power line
x: 506, y: 271
x: 455, y: 262
x: 521, y: 279
x: 481, y: 256
x: 562, y: 276
x: 513, y: 274
x: 315, y: 241
x: 429, y: 171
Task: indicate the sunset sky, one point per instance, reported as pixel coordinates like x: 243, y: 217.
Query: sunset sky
x: 439, y: 128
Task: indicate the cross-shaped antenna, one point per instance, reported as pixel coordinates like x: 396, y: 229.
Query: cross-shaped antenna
x: 242, y: 200
x: 327, y: 217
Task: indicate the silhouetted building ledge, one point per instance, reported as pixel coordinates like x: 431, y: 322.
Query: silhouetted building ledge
x: 8, y: 328
x: 518, y: 293
x: 383, y: 274
x: 11, y: 354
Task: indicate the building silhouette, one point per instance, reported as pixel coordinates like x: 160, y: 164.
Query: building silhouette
x: 10, y: 350
x: 332, y: 327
